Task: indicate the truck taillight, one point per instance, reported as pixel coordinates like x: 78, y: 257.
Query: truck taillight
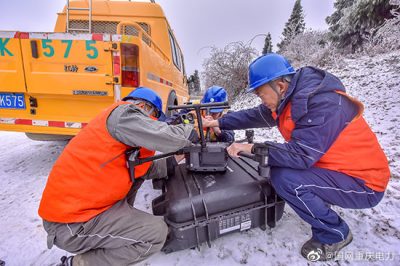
x: 130, y: 65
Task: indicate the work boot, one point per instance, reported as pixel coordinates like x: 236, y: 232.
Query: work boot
x: 66, y: 261
x: 313, y: 250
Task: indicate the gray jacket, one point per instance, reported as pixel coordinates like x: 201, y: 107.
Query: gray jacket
x: 129, y: 125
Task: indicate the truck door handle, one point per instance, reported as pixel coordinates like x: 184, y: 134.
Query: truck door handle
x: 34, y: 49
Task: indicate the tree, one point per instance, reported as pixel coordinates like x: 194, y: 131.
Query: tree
x: 228, y: 67
x: 340, y: 6
x: 267, y: 44
x: 309, y: 48
x: 293, y: 26
x: 194, y: 83
x: 387, y: 36
x: 355, y: 20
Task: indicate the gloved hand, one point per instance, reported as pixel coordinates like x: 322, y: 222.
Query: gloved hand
x: 173, y: 120
x: 194, y: 136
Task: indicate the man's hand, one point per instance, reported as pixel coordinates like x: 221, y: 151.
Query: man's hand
x: 235, y: 148
x: 208, y: 121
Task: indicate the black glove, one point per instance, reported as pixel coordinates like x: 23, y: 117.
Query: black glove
x: 173, y: 120
x: 194, y: 136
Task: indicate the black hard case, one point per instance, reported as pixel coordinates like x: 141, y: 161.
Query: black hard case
x: 201, y: 207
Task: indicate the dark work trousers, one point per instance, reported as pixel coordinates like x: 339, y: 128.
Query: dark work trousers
x: 121, y: 235
x: 310, y: 193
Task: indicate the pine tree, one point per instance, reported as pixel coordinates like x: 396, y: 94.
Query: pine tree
x: 353, y: 20
x: 294, y: 25
x: 267, y: 44
x: 340, y: 6
x: 194, y: 83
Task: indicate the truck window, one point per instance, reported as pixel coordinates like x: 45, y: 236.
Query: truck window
x: 175, y: 56
x: 180, y: 55
x: 183, y: 64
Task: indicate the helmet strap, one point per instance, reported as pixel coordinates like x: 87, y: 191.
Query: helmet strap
x: 276, y: 90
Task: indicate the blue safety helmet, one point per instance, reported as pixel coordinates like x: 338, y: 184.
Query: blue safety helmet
x: 150, y: 96
x: 215, y: 94
x: 267, y: 68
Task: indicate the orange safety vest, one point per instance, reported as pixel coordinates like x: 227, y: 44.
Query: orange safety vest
x: 356, y: 151
x: 213, y: 136
x: 90, y: 176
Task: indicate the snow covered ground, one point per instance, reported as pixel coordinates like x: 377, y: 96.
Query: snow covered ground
x: 25, y: 164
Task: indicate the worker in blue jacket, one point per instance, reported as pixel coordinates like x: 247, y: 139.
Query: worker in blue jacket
x: 214, y: 94
x: 330, y: 157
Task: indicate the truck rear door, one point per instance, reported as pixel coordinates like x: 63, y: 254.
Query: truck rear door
x: 67, y: 64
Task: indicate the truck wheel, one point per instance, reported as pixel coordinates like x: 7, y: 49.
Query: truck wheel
x: 48, y: 137
x: 172, y: 100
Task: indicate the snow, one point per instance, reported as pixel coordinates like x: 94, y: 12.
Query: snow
x: 25, y: 164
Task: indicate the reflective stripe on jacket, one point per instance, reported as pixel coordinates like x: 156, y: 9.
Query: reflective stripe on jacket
x: 90, y: 175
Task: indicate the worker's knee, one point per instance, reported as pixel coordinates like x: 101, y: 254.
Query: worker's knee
x: 159, y: 231
x: 285, y: 180
x: 162, y: 231
x: 157, y: 234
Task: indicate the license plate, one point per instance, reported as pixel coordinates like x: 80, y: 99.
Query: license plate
x: 12, y: 100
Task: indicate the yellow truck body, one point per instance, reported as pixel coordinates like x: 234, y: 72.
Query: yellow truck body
x: 55, y: 83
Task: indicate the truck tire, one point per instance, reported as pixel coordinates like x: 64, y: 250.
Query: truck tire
x: 48, y: 137
x: 172, y: 100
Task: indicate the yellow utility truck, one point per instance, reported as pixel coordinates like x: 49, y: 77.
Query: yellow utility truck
x: 53, y: 84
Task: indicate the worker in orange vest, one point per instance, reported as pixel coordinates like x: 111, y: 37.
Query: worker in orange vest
x: 330, y: 157
x: 217, y: 94
x: 87, y: 204
x: 214, y: 94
